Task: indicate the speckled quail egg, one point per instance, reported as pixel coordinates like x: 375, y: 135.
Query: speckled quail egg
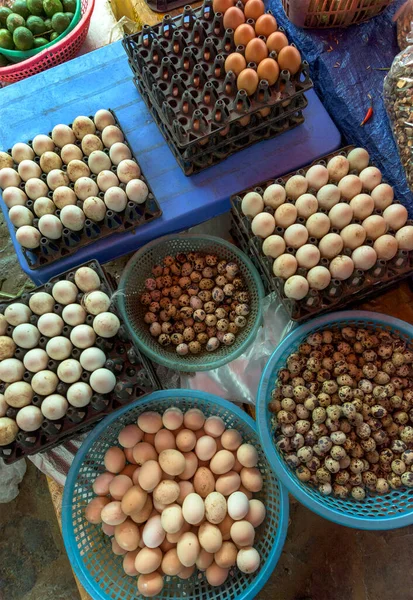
x: 62, y: 135
x: 72, y: 217
x: 85, y: 188
x: 137, y: 191
x: 20, y: 215
x: 119, y: 152
x: 28, y: 237
x: 106, y: 324
x: 51, y: 227
x: 107, y: 179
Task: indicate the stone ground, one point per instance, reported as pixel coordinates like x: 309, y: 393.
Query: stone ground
x: 320, y: 560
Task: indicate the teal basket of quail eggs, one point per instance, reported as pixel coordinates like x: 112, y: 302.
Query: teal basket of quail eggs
x: 90, y: 551
x: 133, y: 282
x: 387, y: 503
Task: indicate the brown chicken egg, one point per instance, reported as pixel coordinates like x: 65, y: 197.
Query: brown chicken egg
x: 265, y: 25
x: 289, y: 59
x: 235, y: 62
x: 222, y: 5
x: 233, y: 18
x: 268, y: 69
x: 244, y: 34
x: 256, y: 51
x: 277, y: 41
x: 254, y: 9
x: 248, y: 81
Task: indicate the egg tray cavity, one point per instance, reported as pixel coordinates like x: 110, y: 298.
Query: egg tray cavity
x: 134, y: 372
x: 261, y: 130
x: 133, y: 217
x: 361, y: 285
x: 187, y: 108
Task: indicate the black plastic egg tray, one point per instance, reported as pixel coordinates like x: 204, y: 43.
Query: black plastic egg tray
x: 180, y: 67
x: 134, y: 372
x: 133, y: 217
x: 338, y: 294
x: 192, y: 160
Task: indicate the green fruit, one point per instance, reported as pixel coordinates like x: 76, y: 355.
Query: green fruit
x: 48, y: 24
x: 60, y: 22
x: 14, y: 21
x: 51, y: 7
x: 35, y: 7
x: 6, y: 40
x: 4, y: 13
x: 54, y: 35
x: 36, y: 25
x: 23, y: 38
x: 40, y: 41
x: 69, y: 5
x: 3, y: 61
x: 69, y: 16
x: 20, y: 7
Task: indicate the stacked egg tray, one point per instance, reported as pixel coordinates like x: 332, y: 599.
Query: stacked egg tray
x: 134, y: 373
x: 130, y: 219
x: 179, y: 68
x: 194, y: 159
x: 339, y: 294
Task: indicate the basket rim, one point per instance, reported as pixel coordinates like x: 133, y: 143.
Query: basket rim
x: 178, y: 363
x: 281, y: 469
x: 29, y: 62
x: 67, y: 525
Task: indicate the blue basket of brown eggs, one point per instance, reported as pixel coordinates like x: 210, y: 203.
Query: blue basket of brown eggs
x: 325, y: 235
x: 334, y: 415
x: 141, y: 555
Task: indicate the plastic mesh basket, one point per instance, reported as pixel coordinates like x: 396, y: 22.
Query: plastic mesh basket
x: 332, y: 13
x: 60, y: 52
x: 375, y: 512
x: 132, y: 284
x: 89, y: 550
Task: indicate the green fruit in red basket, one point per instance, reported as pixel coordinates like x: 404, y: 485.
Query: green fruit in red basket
x: 6, y: 39
x: 36, y: 25
x: 69, y: 6
x: 40, y: 41
x: 20, y: 7
x: 48, y: 23
x: 3, y: 61
x: 70, y: 16
x: 23, y: 38
x: 51, y: 7
x: 54, y: 35
x: 60, y: 22
x: 14, y: 21
x: 35, y: 7
x: 4, y: 13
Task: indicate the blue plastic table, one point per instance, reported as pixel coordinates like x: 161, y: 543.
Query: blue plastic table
x: 102, y: 79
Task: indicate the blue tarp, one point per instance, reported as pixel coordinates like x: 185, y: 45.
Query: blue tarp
x: 344, y: 65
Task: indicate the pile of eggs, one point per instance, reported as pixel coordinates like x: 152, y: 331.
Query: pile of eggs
x: 328, y: 222
x: 267, y: 51
x: 38, y: 347
x: 178, y: 496
x: 79, y: 172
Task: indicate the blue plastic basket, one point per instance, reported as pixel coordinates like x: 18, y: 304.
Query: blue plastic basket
x: 89, y: 550
x: 132, y: 284
x: 377, y: 512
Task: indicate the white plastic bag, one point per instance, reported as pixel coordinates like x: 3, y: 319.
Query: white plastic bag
x: 10, y: 477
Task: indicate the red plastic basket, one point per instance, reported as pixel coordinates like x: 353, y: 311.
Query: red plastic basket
x: 64, y: 50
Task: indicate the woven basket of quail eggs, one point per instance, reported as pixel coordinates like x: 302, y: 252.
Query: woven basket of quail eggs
x: 63, y: 351
x: 335, y: 414
x: 79, y: 183
x: 327, y: 232
x: 174, y: 497
x: 191, y: 302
